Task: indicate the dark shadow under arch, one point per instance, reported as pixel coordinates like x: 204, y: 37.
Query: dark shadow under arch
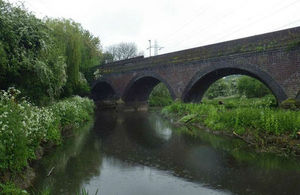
x: 140, y: 87
x: 203, y: 79
x: 102, y: 90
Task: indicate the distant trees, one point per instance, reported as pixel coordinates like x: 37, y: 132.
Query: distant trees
x: 218, y: 89
x: 122, y: 51
x: 251, y: 87
x: 237, y: 85
x: 160, y: 96
x: 223, y: 87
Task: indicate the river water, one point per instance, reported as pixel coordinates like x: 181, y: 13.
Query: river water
x: 140, y: 153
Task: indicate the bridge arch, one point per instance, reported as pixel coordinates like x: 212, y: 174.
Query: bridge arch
x: 103, y: 90
x: 140, y: 87
x: 202, y: 80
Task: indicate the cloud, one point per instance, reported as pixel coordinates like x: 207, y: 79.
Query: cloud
x: 176, y: 24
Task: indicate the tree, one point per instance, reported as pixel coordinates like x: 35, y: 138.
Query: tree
x: 160, y: 96
x: 123, y: 51
x: 45, y: 59
x: 29, y: 59
x: 251, y: 87
x: 81, y: 51
x: 218, y: 89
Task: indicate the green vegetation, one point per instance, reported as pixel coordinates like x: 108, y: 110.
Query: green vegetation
x: 251, y: 87
x: 255, y: 116
x: 234, y: 86
x: 237, y: 85
x: 219, y: 88
x: 44, y: 59
x: 242, y: 106
x: 242, y: 102
x: 160, y: 96
x: 81, y: 51
x: 291, y: 104
x: 10, y: 189
x: 293, y: 45
x: 41, y: 62
x: 25, y: 127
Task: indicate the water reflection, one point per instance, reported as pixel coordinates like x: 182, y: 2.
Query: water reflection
x: 140, y: 153
x: 162, y: 131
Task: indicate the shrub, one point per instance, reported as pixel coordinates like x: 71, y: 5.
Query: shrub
x: 291, y: 104
x: 11, y: 189
x: 23, y: 126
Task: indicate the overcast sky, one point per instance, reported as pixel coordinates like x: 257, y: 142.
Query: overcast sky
x: 175, y: 24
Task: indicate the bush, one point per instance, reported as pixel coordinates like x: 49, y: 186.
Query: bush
x: 44, y: 58
x: 73, y: 111
x: 11, y: 189
x: 23, y: 126
x: 29, y: 59
x: 291, y: 104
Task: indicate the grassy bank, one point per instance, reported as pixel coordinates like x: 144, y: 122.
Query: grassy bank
x: 26, y: 129
x: 253, y: 120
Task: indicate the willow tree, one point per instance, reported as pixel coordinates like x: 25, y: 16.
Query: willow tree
x: 81, y: 51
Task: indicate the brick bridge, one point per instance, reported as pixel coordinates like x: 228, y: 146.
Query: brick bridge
x: 272, y: 58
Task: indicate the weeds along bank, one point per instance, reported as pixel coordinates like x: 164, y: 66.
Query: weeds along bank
x: 250, y: 119
x: 25, y: 128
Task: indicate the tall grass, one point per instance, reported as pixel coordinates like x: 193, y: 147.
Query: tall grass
x: 240, y: 116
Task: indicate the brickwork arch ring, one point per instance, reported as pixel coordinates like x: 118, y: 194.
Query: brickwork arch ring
x: 202, y: 80
x: 103, y: 89
x: 141, y: 85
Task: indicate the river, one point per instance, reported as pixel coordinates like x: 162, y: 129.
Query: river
x: 140, y: 153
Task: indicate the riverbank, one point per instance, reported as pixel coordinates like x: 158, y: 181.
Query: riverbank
x: 26, y: 131
x: 265, y: 128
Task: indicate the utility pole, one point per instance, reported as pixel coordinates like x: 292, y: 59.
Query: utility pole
x: 156, y: 48
x: 149, y: 48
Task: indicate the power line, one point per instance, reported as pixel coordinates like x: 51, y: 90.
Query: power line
x: 206, y: 27
x: 189, y: 21
x: 286, y: 25
x: 240, y: 28
x: 227, y: 13
x: 156, y: 48
x: 260, y: 19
